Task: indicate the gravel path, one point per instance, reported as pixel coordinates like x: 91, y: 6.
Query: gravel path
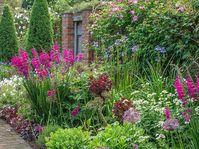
x: 10, y: 139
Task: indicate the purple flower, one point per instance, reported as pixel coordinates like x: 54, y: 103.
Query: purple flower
x: 170, y: 124
x: 134, y: 146
x: 160, y: 49
x: 134, y: 48
x: 135, y: 18
x: 131, y: 116
x: 76, y: 110
x: 38, y: 129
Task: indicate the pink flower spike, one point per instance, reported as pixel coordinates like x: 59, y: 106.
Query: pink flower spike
x: 191, y: 87
x: 179, y: 89
x: 34, y: 53
x: 167, y: 113
x: 197, y: 84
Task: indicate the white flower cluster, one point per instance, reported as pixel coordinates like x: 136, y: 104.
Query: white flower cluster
x: 11, y: 91
x: 13, y: 81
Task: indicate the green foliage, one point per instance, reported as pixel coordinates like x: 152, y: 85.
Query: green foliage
x: 73, y: 138
x: 8, y: 39
x: 46, y: 133
x: 40, y: 33
x: 117, y: 136
x: 14, y: 94
x: 158, y: 24
x: 6, y: 71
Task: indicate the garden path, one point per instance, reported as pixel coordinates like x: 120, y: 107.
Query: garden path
x: 10, y: 139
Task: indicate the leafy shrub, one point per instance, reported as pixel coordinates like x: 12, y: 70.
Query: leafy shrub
x: 120, y: 136
x: 13, y: 94
x: 40, y: 27
x: 165, y: 30
x: 8, y: 39
x: 68, y: 138
x: 46, y: 133
x: 6, y: 71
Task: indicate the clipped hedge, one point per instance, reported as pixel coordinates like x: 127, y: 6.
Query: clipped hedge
x: 40, y: 33
x: 8, y: 39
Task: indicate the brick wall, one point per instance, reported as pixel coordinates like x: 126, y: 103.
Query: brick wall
x: 68, y: 32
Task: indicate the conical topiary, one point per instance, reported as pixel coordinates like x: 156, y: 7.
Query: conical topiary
x: 8, y: 38
x: 40, y: 33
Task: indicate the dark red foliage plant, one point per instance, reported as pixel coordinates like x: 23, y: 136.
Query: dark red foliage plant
x: 120, y: 107
x: 100, y: 85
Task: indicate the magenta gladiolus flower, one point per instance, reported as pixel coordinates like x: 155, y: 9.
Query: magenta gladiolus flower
x: 34, y: 53
x: 76, y: 110
x: 180, y: 91
x: 191, y: 87
x: 68, y: 56
x: 51, y: 93
x: 42, y: 73
x: 197, y: 84
x: 21, y: 63
x: 167, y: 113
x: 55, y: 54
x: 45, y: 59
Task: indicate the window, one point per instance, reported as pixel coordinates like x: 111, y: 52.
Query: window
x: 78, y: 38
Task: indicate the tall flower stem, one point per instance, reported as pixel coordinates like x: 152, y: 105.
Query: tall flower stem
x: 102, y: 116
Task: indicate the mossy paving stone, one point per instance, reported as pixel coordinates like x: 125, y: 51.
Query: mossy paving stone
x: 10, y: 139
